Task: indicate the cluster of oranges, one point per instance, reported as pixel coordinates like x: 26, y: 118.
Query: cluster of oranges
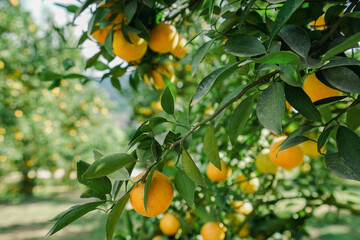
x: 163, y: 39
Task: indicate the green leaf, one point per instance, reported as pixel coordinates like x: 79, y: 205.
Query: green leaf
x: 353, y: 14
x: 89, y: 193
x: 73, y: 214
x: 343, y: 79
x: 323, y: 137
x: 290, y: 75
x: 244, y: 45
x: 270, y: 108
x: 292, y: 141
x: 130, y: 10
x: 74, y: 75
x: 348, y: 43
x: 210, y: 147
x: 336, y: 164
x: 348, y: 145
x: 286, y: 11
x: 149, y: 3
x: 108, y: 164
x: 239, y: 118
x: 199, y: 56
x: 82, y: 8
x: 191, y: 169
x: 227, y: 98
x: 82, y: 39
x: 284, y: 57
x: 121, y: 175
x: 341, y: 62
x: 167, y: 101
x: 100, y: 66
x: 97, y: 154
x: 109, y: 42
x: 115, y: 82
x: 91, y: 61
x: 299, y: 100
x: 100, y: 185
x: 147, y: 187
x: 353, y: 118
x: 114, y: 215
x: 185, y: 187
x: 49, y: 76
x: 207, y: 83
x: 296, y: 38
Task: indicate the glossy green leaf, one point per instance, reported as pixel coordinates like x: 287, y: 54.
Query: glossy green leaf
x: 108, y: 164
x: 341, y: 62
x: 240, y: 117
x: 210, y: 147
x: 191, y: 169
x: 89, y: 193
x: 284, y: 57
x: 296, y: 38
x: 109, y: 43
x: 130, y: 10
x: 292, y: 141
x: 167, y: 101
x: 100, y: 185
x: 345, y: 45
x: 147, y: 187
x: 185, y: 187
x: 114, y: 215
x: 343, y: 78
x: 73, y: 214
x: 290, y: 75
x: 207, y: 83
x: 299, y: 100
x: 348, y: 144
x: 270, y: 108
x: 323, y: 137
x: 244, y: 45
x: 336, y: 164
x: 97, y: 154
x: 286, y: 11
x: 199, y: 56
x: 91, y: 61
x: 353, y: 118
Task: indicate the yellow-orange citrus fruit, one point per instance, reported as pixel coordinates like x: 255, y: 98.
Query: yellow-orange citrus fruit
x: 288, y: 158
x: 214, y: 174
x: 246, y: 186
x: 100, y: 34
x: 14, y: 2
x: 212, y: 231
x: 243, y: 207
x: 156, y: 74
x: 264, y: 164
x: 319, y: 24
x: 169, y: 224
x: 310, y: 148
x: 177, y: 50
x: 244, y: 231
x: 316, y: 90
x: 161, y: 193
x: 129, y: 51
x: 163, y: 38
x: 158, y: 237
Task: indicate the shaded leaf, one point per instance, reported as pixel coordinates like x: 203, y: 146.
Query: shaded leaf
x: 167, y: 101
x: 130, y: 10
x: 353, y: 118
x: 185, y: 187
x: 191, y: 169
x: 114, y: 215
x: 210, y: 147
x: 323, y: 137
x: 343, y: 79
x: 244, y: 45
x: 336, y: 164
x: 348, y: 145
x: 101, y: 185
x: 89, y: 193
x: 296, y: 38
x: 290, y: 75
x: 199, y: 56
x: 348, y: 43
x: 341, y: 62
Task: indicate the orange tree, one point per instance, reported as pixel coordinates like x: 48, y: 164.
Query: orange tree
x: 46, y: 129
x: 267, y: 68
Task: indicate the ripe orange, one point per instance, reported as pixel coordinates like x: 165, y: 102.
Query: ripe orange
x: 243, y: 207
x: 158, y: 237
x: 212, y: 231
x: 288, y: 158
x: 214, y: 174
x: 264, y: 164
x: 160, y: 195
x: 177, y: 50
x: 129, y: 51
x: 310, y: 149
x: 163, y: 38
x: 246, y: 186
x: 100, y: 34
x: 316, y: 90
x: 244, y: 231
x: 156, y: 74
x: 319, y: 24
x: 169, y: 224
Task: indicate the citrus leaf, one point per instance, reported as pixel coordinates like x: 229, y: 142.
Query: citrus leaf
x: 167, y: 101
x: 348, y: 43
x: 348, y: 145
x: 290, y: 75
x: 292, y: 141
x: 89, y: 193
x: 240, y: 117
x: 199, y: 56
x: 210, y: 147
x: 191, y: 169
x: 336, y: 164
x: 283, y: 57
x: 130, y: 10
x: 323, y: 137
x: 341, y: 62
x: 108, y: 164
x: 100, y: 185
x: 296, y: 38
x: 73, y: 214
x: 244, y: 45
x: 270, y: 108
x: 147, y: 187
x: 109, y: 43
x: 114, y: 215
x: 353, y: 118
x: 343, y: 79
x: 185, y: 187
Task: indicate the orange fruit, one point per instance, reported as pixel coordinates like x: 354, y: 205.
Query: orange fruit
x: 288, y: 158
x: 158, y: 237
x: 243, y: 207
x: 129, y: 51
x: 169, y: 224
x: 316, y: 90
x: 214, y: 174
x: 212, y: 231
x: 264, y: 164
x: 160, y: 195
x: 319, y: 24
x: 310, y: 147
x: 163, y: 38
x: 100, y: 34
x: 244, y: 231
x: 246, y: 186
x: 177, y: 50
x: 156, y: 74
